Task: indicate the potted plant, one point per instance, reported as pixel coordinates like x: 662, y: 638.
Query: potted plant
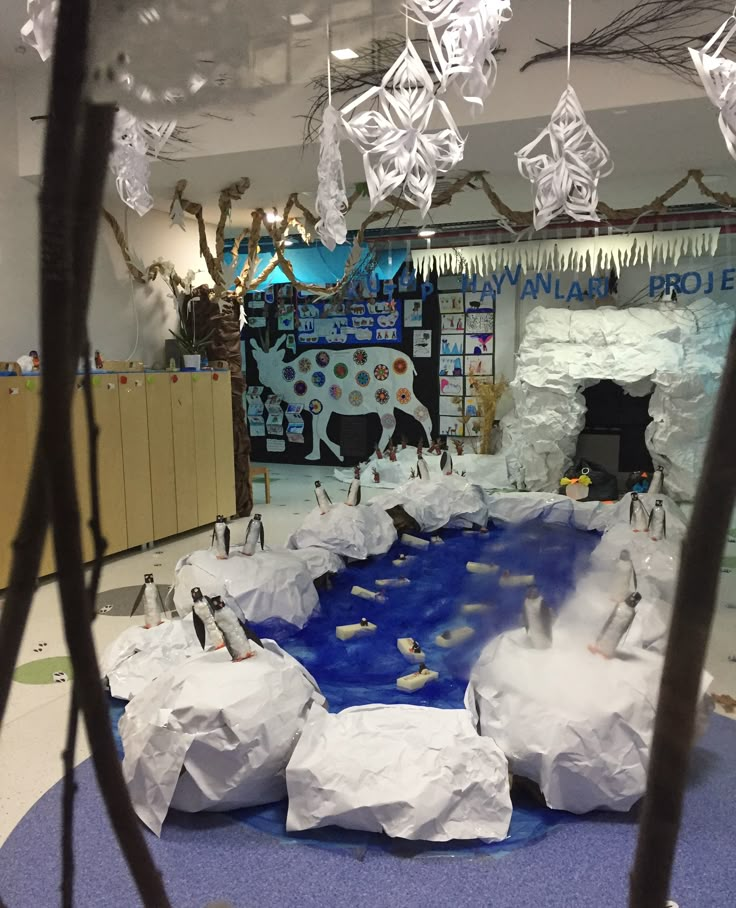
x: 192, y: 345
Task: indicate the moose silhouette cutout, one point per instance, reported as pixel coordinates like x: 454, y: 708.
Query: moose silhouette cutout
x: 349, y: 382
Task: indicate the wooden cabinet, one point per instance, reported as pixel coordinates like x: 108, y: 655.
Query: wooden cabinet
x: 164, y: 453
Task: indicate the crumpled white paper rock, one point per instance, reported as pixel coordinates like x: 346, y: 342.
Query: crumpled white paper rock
x: 448, y: 501
x: 215, y: 735
x: 269, y: 584
x: 410, y: 771
x: 578, y: 725
x: 352, y: 532
x: 138, y: 656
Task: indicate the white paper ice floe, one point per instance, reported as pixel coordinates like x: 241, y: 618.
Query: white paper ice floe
x: 399, y: 154
x: 718, y: 75
x: 464, y: 36
x: 566, y: 179
x: 332, y: 201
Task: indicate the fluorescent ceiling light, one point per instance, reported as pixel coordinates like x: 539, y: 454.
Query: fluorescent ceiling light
x: 426, y: 232
x: 273, y: 217
x: 297, y: 19
x: 346, y: 53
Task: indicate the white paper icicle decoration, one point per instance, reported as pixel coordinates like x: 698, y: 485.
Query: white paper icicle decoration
x: 332, y: 201
x: 464, y: 36
x: 398, y: 152
x: 40, y: 29
x: 718, y: 75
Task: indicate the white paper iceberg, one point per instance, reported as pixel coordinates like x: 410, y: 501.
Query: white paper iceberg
x: 410, y: 771
x: 447, y: 501
x: 355, y: 533
x: 215, y: 735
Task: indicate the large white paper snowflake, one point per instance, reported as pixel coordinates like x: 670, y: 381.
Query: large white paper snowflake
x: 566, y: 179
x: 464, y: 36
x: 135, y: 143
x: 399, y: 154
x: 331, y: 198
x: 718, y: 75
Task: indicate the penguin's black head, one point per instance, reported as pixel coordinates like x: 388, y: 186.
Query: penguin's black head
x: 256, y: 517
x: 217, y: 603
x: 220, y: 519
x: 625, y: 555
x: 658, y: 502
x: 364, y: 622
x: 197, y: 594
x: 446, y: 635
x: 317, y: 484
x: 148, y: 578
x: 532, y: 592
x: 634, y: 496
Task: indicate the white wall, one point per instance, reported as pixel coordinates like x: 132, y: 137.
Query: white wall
x: 116, y: 302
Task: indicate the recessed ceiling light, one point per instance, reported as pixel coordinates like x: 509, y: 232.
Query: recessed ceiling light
x: 297, y: 19
x: 273, y: 217
x: 347, y: 53
x: 426, y: 232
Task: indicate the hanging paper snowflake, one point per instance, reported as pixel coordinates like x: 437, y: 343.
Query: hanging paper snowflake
x: 135, y: 142
x: 399, y: 154
x: 718, y: 75
x: 463, y: 37
x: 40, y: 29
x: 566, y: 180
x: 332, y: 202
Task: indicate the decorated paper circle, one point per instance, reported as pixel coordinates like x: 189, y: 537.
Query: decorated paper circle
x: 335, y: 392
x: 400, y: 366
x: 403, y: 395
x: 340, y: 370
x: 305, y: 364
x: 380, y: 373
x: 289, y: 374
x: 300, y: 388
x: 360, y: 357
x: 323, y: 359
x: 318, y: 379
x: 363, y: 379
x: 388, y: 421
x: 355, y: 398
x: 315, y: 406
x: 382, y: 396
x: 421, y: 413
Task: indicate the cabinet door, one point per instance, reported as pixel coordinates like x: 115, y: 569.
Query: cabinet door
x: 161, y: 454
x: 32, y: 391
x: 185, y: 459
x: 224, y: 459
x: 15, y: 460
x: 80, y: 443
x: 136, y: 462
x: 204, y: 447
x: 110, y: 458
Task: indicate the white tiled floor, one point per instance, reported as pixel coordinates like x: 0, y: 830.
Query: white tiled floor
x: 34, y: 727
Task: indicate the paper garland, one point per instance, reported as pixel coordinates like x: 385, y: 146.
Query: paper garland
x: 332, y: 200
x: 399, y: 154
x: 718, y: 76
x: 566, y: 180
x: 463, y: 36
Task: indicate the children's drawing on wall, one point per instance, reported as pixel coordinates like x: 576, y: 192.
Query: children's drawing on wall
x: 367, y: 322
x: 471, y: 407
x: 451, y: 365
x: 286, y: 320
x: 479, y: 344
x: 453, y: 324
x: 413, y: 313
x: 451, y: 406
x: 479, y: 322
x: 291, y: 343
x: 451, y: 302
x: 422, y: 344
x: 451, y: 345
x: 451, y: 425
x: 474, y: 303
x: 478, y: 365
x: 451, y: 386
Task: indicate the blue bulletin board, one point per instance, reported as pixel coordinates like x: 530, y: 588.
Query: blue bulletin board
x: 348, y: 322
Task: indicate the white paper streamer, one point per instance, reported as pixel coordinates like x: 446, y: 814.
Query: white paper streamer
x: 134, y: 143
x: 38, y: 32
x: 464, y: 36
x: 332, y: 201
x: 566, y: 180
x: 577, y: 254
x: 398, y: 152
x: 718, y: 76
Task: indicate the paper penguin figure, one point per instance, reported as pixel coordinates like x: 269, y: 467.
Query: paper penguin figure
x: 204, y: 621
x: 446, y: 463
x: 658, y: 521
x: 221, y: 538
x: 153, y: 607
x: 656, y: 486
x: 253, y: 535
x: 354, y: 490
x: 616, y: 627
x: 538, y: 619
x: 638, y: 517
x: 323, y: 499
x: 238, y: 634
x: 422, y: 468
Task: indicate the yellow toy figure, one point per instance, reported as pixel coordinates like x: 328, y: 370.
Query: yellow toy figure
x: 577, y: 489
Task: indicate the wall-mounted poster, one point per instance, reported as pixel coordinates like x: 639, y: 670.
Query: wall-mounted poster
x: 451, y: 365
x: 479, y: 322
x: 451, y: 302
x: 451, y: 406
x: 453, y: 324
x: 422, y: 344
x: 451, y: 345
x: 276, y: 445
x: 451, y: 386
x: 412, y: 313
x: 362, y: 322
x: 478, y: 365
x: 479, y: 344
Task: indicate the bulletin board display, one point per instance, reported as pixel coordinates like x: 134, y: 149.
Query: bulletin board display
x: 467, y: 354
x: 348, y: 321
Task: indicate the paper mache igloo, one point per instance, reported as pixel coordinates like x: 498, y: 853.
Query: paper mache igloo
x: 351, y: 532
x: 412, y: 772
x: 269, y: 586
x: 578, y: 725
x: 215, y: 735
x: 444, y: 501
